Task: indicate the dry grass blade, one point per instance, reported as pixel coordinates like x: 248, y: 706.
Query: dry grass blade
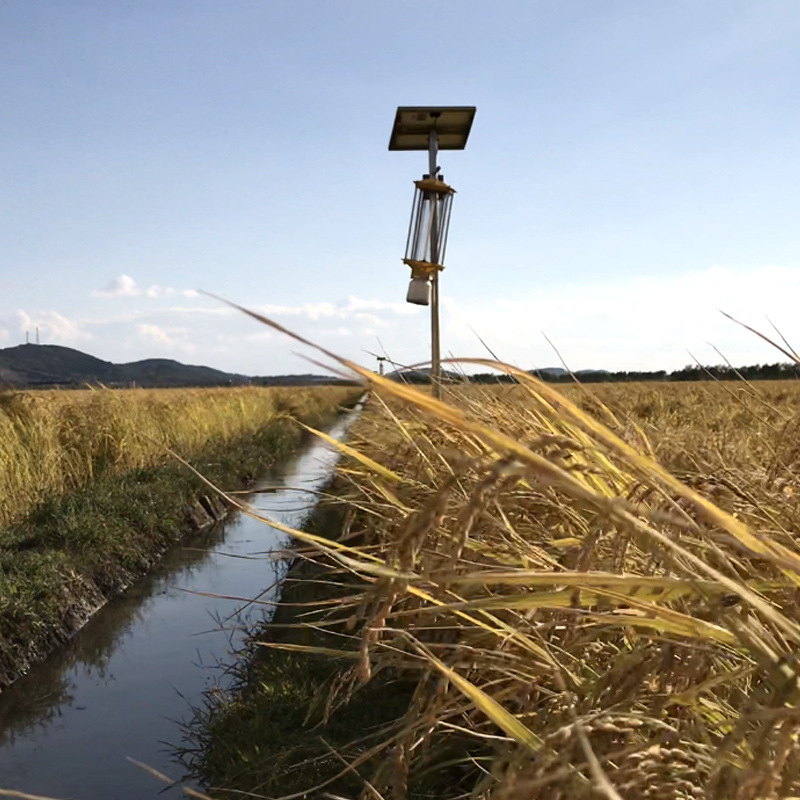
x: 369, y: 463
x: 486, y: 704
x: 160, y: 776
x: 790, y: 354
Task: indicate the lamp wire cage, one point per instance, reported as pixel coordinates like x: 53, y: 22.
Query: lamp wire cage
x: 428, y: 227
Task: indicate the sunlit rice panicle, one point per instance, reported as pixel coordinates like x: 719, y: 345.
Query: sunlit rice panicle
x: 595, y: 594
x: 567, y: 583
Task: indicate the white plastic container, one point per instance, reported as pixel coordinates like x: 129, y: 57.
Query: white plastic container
x: 419, y: 292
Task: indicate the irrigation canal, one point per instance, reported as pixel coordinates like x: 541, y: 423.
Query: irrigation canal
x: 121, y: 687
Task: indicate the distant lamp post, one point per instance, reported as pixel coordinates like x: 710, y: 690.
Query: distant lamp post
x: 381, y: 360
x: 432, y: 129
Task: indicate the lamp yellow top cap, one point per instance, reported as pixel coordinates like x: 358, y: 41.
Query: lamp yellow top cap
x: 434, y: 185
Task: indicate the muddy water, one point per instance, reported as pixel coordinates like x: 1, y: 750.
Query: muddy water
x: 122, y: 686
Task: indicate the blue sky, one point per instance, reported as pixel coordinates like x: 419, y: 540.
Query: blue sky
x: 632, y: 167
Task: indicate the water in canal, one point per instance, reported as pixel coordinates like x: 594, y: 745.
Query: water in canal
x: 120, y: 688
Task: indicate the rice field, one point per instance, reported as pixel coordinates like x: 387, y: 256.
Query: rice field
x: 52, y: 442
x: 577, y: 593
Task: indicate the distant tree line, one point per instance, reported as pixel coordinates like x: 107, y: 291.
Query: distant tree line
x: 300, y: 380
x: 692, y: 372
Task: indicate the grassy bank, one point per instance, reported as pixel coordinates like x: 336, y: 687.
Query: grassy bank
x: 113, y: 499
x: 540, y: 594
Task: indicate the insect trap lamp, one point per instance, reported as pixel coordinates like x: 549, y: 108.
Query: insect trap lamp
x: 427, y: 236
x: 431, y: 128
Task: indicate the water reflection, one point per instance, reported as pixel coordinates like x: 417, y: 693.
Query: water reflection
x: 38, y: 699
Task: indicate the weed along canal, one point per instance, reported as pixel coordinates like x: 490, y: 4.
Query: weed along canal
x: 119, y: 689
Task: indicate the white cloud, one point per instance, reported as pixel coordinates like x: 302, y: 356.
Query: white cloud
x: 177, y: 339
x: 644, y: 322
x: 339, y: 330
x: 641, y: 323
x: 219, y: 335
x: 215, y: 310
x: 125, y: 286
x: 357, y: 304
x: 240, y: 338
x: 3, y: 334
x: 54, y: 328
x: 158, y: 291
x: 351, y: 308
x: 154, y: 334
x: 380, y: 314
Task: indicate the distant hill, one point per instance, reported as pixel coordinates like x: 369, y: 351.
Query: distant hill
x: 165, y: 372
x: 31, y: 365
x: 41, y: 365
x: 555, y: 371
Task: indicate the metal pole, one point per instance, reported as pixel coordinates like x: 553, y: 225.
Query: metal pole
x: 436, y: 387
